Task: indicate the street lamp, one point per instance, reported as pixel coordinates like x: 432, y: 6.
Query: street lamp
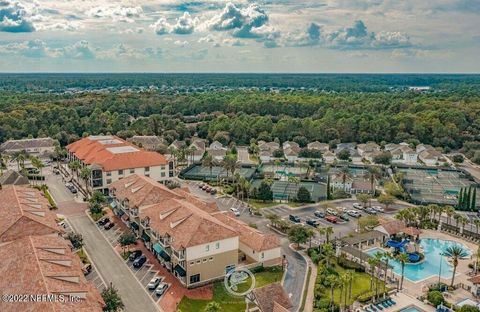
x: 440, y: 270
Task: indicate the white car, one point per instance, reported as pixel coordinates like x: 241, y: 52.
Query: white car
x: 357, y: 206
x: 378, y: 208
x: 235, y: 211
x: 161, y: 289
x: 332, y: 212
x: 154, y: 283
x: 354, y: 213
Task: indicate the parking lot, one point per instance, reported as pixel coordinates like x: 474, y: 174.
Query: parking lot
x: 145, y: 273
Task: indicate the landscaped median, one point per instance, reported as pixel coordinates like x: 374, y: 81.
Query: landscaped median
x: 228, y: 302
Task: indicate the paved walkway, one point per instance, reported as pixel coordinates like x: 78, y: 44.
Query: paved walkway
x: 112, y: 267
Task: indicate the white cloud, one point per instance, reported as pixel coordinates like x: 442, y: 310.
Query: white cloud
x: 15, y: 18
x: 79, y: 50
x: 117, y: 13
x: 184, y: 25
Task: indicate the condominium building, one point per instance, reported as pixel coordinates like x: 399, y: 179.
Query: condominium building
x: 40, y: 147
x: 189, y: 236
x: 111, y: 159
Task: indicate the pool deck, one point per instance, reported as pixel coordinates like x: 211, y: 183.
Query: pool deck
x: 462, y: 269
x: 404, y: 300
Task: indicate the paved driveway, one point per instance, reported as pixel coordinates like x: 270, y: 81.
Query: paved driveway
x: 112, y: 267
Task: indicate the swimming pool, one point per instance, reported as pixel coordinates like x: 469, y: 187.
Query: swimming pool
x: 430, y: 266
x: 411, y: 309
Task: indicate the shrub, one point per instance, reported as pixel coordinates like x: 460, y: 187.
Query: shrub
x: 469, y: 308
x: 435, y: 298
x: 323, y: 303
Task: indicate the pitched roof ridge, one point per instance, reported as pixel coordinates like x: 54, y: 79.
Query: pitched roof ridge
x: 37, y: 262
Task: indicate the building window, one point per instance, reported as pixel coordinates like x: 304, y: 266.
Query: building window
x: 147, y: 169
x: 162, y: 174
x: 263, y: 255
x: 109, y: 174
x: 162, y: 167
x: 217, y: 245
x: 120, y: 171
x: 132, y: 170
x: 192, y: 262
x: 207, y: 247
x: 109, y: 181
x: 195, y: 278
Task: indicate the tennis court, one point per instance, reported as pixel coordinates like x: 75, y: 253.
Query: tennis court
x: 434, y: 185
x: 285, y: 191
x: 199, y: 172
x: 282, y: 170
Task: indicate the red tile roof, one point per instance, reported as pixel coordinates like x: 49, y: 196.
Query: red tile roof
x: 47, y: 267
x: 24, y: 211
x: 249, y: 236
x: 272, y: 298
x: 475, y: 280
x: 99, y: 150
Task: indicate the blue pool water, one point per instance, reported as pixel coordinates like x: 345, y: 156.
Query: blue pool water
x: 430, y: 266
x: 411, y: 309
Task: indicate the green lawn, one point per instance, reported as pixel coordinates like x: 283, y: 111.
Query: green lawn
x: 227, y: 302
x: 360, y: 285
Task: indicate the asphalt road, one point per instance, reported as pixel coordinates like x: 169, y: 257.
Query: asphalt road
x: 112, y: 267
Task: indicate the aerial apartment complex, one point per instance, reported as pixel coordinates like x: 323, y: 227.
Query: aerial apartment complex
x: 112, y: 158
x: 190, y: 237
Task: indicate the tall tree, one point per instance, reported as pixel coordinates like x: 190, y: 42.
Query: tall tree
x: 455, y: 252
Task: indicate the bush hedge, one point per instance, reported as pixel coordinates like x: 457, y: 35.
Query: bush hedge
x: 435, y: 298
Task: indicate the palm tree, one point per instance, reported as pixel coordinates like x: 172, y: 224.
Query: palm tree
x: 332, y: 281
x: 344, y: 174
x: 455, y: 252
x: 4, y: 159
x: 207, y: 161
x: 373, y: 173
x: 326, y: 231
x: 463, y: 220
x: 402, y: 258
x: 328, y: 254
x: 372, y: 262
x: 20, y: 158
x: 310, y: 233
x: 229, y: 164
x: 37, y: 163
x: 86, y: 174
x: 476, y: 222
x: 450, y: 211
x: 343, y: 281
x: 74, y: 166
x: 212, y: 307
x: 350, y: 283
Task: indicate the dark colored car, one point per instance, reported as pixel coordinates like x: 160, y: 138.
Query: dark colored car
x: 103, y: 221
x: 319, y: 214
x: 213, y: 191
x: 312, y: 222
x: 134, y: 255
x: 109, y: 225
x: 344, y: 217
x: 140, y: 261
x: 293, y: 218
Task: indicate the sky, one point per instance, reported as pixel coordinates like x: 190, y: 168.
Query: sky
x: 318, y: 36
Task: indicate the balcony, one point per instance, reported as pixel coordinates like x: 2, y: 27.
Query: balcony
x: 179, y: 255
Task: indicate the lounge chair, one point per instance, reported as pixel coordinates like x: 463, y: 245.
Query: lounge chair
x: 391, y: 300
x: 384, y: 304
x: 388, y: 303
x: 379, y: 306
x: 373, y: 308
x: 367, y: 309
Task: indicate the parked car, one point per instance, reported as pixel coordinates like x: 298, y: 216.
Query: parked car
x: 332, y: 219
x: 312, y: 222
x: 140, y: 261
x: 331, y: 211
x: 208, y: 189
x: 204, y: 187
x: 109, y: 225
x: 134, y: 255
x: 103, y: 221
x: 161, y: 289
x: 378, y: 208
x: 201, y: 185
x: 235, y: 211
x: 213, y: 191
x: 72, y: 188
x: 56, y: 171
x: 154, y: 283
x: 294, y: 218
x: 371, y: 211
x: 357, y: 206
x: 354, y: 213
x: 344, y: 217
x: 319, y: 214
